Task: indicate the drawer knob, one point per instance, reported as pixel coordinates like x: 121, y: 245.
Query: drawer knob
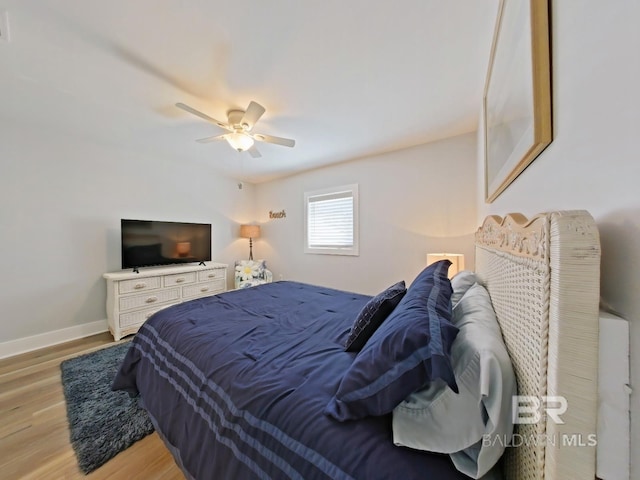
x: 149, y: 314
x: 152, y: 299
x: 204, y: 289
x: 180, y: 280
x: 140, y: 285
x: 212, y: 275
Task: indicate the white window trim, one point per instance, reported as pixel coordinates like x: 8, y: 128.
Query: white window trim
x: 354, y: 250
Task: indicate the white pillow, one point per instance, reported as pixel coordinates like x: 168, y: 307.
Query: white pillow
x: 460, y: 283
x: 437, y: 420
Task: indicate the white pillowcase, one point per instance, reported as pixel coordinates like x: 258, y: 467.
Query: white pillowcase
x: 460, y: 283
x: 438, y: 420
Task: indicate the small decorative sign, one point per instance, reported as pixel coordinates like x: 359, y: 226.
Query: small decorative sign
x: 281, y: 214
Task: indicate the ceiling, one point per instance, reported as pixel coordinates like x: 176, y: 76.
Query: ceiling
x: 345, y: 79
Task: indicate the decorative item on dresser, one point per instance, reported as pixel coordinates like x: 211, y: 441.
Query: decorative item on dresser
x: 133, y: 297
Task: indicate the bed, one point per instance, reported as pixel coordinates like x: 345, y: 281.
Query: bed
x: 256, y: 383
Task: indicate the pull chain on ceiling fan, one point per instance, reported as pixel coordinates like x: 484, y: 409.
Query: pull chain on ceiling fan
x: 239, y: 126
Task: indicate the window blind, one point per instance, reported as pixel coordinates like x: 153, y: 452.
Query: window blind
x: 330, y: 220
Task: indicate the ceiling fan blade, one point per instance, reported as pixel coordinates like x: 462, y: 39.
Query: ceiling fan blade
x: 252, y: 115
x: 204, y: 116
x: 212, y: 139
x: 286, y: 142
x: 253, y: 151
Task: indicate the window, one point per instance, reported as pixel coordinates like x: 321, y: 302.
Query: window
x: 331, y: 221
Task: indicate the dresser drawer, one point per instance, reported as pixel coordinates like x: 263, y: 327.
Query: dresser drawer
x: 179, y: 279
x: 218, y: 273
x: 140, y: 316
x: 149, y: 298
x: 138, y: 284
x: 203, y: 289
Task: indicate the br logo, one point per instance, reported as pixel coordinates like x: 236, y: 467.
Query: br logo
x: 528, y: 409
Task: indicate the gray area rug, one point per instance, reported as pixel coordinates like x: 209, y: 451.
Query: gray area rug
x: 102, y: 422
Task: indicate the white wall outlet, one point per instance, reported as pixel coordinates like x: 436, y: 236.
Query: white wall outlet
x: 4, y: 26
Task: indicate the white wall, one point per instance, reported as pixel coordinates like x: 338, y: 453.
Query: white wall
x: 593, y: 162
x: 412, y: 201
x: 62, y: 198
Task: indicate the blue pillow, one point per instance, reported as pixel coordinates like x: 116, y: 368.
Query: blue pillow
x: 411, y: 348
x: 372, y: 315
x: 437, y: 420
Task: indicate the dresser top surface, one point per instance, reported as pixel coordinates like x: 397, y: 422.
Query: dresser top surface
x: 163, y: 270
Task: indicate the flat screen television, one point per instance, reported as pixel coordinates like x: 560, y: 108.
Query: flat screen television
x: 148, y: 243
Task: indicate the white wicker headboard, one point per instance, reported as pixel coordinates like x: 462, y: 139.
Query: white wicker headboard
x: 543, y: 276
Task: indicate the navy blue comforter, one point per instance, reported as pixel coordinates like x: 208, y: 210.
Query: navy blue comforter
x: 237, y: 383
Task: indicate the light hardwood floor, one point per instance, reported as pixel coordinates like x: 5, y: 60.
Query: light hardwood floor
x: 34, y: 433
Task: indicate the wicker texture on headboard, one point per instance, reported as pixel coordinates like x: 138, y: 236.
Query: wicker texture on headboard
x: 543, y: 276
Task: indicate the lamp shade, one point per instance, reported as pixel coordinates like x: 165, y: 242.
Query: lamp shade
x: 456, y: 259
x: 240, y: 141
x: 249, y: 231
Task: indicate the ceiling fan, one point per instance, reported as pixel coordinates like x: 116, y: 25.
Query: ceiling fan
x: 239, y: 126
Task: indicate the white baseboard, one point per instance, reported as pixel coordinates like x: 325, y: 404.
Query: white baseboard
x: 48, y: 339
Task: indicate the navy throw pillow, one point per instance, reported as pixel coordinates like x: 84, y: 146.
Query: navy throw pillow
x: 372, y: 315
x: 411, y: 348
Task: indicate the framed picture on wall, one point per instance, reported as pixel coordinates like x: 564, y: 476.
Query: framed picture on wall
x: 517, y: 95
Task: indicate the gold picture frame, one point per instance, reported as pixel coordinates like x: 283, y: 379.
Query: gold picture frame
x: 517, y: 94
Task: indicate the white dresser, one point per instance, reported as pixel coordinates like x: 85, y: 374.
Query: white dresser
x: 133, y: 297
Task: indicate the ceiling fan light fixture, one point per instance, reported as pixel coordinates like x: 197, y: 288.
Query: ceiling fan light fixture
x: 239, y: 127
x: 240, y: 141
